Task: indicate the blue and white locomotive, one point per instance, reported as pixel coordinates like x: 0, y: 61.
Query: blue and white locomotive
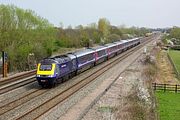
x: 54, y: 70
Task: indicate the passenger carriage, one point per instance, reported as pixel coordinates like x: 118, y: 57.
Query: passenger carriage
x: 100, y: 54
x: 111, y: 49
x: 120, y: 46
x: 85, y: 59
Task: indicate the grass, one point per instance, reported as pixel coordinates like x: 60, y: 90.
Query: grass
x: 106, y: 109
x: 175, y: 55
x: 168, y: 105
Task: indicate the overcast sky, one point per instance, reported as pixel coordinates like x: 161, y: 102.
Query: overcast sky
x: 140, y: 13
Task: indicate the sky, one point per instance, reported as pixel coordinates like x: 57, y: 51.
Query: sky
x: 139, y: 13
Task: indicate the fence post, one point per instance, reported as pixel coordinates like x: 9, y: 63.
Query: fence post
x: 176, y: 88
x: 164, y: 87
x: 155, y: 87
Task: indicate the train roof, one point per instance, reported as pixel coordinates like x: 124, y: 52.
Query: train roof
x: 133, y: 39
x: 120, y: 42
x: 62, y: 58
x: 110, y: 45
x: 98, y: 48
x: 70, y: 55
x: 59, y: 59
x: 124, y: 41
x: 48, y: 61
x: 83, y: 52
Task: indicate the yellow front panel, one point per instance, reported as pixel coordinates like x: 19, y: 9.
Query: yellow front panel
x: 51, y: 72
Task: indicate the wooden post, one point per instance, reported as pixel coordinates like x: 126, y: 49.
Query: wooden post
x: 164, y: 87
x: 155, y: 87
x: 176, y: 88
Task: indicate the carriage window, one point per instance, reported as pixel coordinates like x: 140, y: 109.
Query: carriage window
x: 101, y: 53
x: 86, y: 58
x: 45, y: 67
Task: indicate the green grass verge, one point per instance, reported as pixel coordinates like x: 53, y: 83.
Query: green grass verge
x: 168, y: 105
x: 175, y: 55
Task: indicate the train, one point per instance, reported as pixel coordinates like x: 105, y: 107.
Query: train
x: 54, y: 70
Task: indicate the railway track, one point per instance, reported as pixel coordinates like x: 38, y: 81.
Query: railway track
x: 13, y: 104
x: 20, y: 83
x: 37, y: 111
x: 12, y: 86
x: 16, y: 78
x: 61, y: 96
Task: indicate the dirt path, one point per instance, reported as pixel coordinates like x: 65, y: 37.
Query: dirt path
x: 166, y: 73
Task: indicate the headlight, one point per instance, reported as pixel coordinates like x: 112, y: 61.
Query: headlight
x: 37, y: 75
x: 50, y: 75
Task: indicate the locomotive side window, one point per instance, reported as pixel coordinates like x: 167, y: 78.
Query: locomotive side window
x: 57, y: 69
x: 45, y: 68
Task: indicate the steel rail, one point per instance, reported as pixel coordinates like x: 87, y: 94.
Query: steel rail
x: 13, y: 104
x: 16, y: 78
x: 16, y: 85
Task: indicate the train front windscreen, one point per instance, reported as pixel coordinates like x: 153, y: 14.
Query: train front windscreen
x: 45, y: 69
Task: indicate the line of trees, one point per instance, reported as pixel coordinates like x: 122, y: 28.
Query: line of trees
x: 23, y: 33
x: 173, y: 35
x: 100, y: 33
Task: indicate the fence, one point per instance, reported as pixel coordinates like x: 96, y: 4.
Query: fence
x: 174, y: 66
x: 166, y: 87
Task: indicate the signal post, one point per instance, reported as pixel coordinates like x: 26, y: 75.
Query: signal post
x: 5, y: 64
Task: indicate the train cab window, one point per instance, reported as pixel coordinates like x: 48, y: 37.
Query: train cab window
x: 45, y: 68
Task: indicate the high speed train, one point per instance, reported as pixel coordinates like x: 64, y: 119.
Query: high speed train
x: 54, y: 70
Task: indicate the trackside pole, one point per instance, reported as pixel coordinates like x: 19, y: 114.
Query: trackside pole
x: 5, y: 64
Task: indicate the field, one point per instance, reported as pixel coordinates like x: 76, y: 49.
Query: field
x: 175, y: 55
x: 168, y: 105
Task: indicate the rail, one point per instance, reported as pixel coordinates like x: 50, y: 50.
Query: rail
x: 16, y: 78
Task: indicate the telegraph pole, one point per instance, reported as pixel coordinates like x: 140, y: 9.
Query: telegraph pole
x: 5, y: 65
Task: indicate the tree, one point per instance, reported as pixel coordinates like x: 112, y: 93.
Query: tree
x: 115, y: 30
x: 23, y: 32
x: 114, y: 38
x: 104, y: 27
x: 175, y: 33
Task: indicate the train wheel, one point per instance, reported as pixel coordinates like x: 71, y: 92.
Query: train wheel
x: 91, y: 66
x: 42, y: 85
x: 54, y: 83
x: 94, y: 63
x: 60, y: 80
x: 75, y: 73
